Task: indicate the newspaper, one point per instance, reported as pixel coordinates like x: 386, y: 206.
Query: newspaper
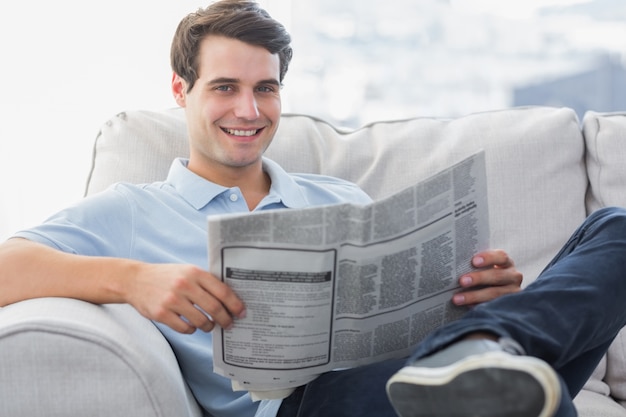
x: 339, y: 286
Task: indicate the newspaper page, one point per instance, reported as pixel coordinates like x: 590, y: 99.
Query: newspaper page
x: 344, y: 285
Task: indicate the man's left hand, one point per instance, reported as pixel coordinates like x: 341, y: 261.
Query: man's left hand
x: 497, y: 276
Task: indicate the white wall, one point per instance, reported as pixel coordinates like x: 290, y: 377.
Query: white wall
x: 66, y: 67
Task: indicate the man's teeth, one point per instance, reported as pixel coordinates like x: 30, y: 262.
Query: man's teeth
x: 241, y: 132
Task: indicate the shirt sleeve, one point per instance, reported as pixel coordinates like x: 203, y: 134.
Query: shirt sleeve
x: 321, y: 189
x: 98, y: 225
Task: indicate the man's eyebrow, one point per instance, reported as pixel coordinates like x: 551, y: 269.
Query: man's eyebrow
x: 226, y: 80
x: 270, y: 81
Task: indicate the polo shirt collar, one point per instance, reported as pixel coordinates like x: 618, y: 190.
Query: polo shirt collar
x: 284, y: 187
x: 199, y: 192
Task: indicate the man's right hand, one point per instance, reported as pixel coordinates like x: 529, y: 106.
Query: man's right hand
x: 184, y: 297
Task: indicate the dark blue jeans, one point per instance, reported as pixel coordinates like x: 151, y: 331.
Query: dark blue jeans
x: 568, y: 317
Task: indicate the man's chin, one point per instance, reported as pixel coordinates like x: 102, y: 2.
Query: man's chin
x: 245, y: 162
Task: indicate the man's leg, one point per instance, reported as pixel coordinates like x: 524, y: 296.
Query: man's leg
x: 357, y: 392
x: 568, y: 316
x: 479, y: 377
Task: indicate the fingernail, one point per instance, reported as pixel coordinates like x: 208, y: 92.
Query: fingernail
x: 242, y: 315
x: 458, y: 299
x: 478, y: 260
x: 466, y: 280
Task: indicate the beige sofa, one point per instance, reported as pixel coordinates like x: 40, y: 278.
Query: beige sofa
x: 547, y: 170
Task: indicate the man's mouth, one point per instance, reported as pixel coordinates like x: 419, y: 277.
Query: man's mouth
x: 239, y: 132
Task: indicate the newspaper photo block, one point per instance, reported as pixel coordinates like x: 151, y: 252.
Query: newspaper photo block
x: 340, y: 286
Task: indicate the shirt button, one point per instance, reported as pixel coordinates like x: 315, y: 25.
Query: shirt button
x: 234, y: 197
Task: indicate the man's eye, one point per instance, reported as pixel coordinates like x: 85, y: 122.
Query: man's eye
x: 223, y: 88
x: 266, y: 89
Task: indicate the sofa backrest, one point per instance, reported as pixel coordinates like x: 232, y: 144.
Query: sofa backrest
x: 535, y: 163
x: 605, y: 142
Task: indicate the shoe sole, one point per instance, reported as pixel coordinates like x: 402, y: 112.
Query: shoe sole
x: 493, y: 384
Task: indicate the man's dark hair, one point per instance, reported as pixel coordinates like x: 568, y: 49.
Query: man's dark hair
x: 243, y: 20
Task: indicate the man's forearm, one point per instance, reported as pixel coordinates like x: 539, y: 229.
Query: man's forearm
x: 31, y: 270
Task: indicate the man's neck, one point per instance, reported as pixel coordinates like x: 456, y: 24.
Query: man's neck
x: 253, y: 182
x: 254, y: 193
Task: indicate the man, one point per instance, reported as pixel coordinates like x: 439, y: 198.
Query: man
x: 140, y: 244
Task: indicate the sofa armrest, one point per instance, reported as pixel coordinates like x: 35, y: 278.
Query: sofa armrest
x: 62, y: 356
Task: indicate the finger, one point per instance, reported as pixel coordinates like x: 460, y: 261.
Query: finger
x: 492, y: 277
x: 214, y: 311
x: 494, y: 257
x: 478, y: 296
x: 175, y: 322
x: 229, y: 302
x: 198, y: 318
x: 206, y: 301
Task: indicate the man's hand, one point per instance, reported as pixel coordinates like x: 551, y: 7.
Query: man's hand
x: 497, y: 277
x: 184, y: 297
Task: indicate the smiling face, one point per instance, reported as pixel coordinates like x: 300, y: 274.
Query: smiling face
x: 232, y: 110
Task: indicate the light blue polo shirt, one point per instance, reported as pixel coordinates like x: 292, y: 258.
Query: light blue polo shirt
x: 166, y: 222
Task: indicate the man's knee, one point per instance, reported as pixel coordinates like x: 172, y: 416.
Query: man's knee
x: 613, y: 218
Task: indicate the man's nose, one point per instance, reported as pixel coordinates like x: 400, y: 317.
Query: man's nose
x: 246, y: 106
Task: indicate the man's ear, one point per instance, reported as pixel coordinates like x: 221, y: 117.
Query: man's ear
x: 179, y: 88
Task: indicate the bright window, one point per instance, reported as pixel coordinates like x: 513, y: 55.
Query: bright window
x: 69, y: 65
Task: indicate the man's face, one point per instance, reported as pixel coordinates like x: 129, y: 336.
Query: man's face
x: 233, y: 109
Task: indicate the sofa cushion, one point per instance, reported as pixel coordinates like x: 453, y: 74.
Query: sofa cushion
x: 604, y: 394
x: 616, y: 368
x: 594, y: 400
x: 605, y: 139
x: 535, y: 166
x: 137, y: 147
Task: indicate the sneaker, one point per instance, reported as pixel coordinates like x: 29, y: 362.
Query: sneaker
x: 477, y: 378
